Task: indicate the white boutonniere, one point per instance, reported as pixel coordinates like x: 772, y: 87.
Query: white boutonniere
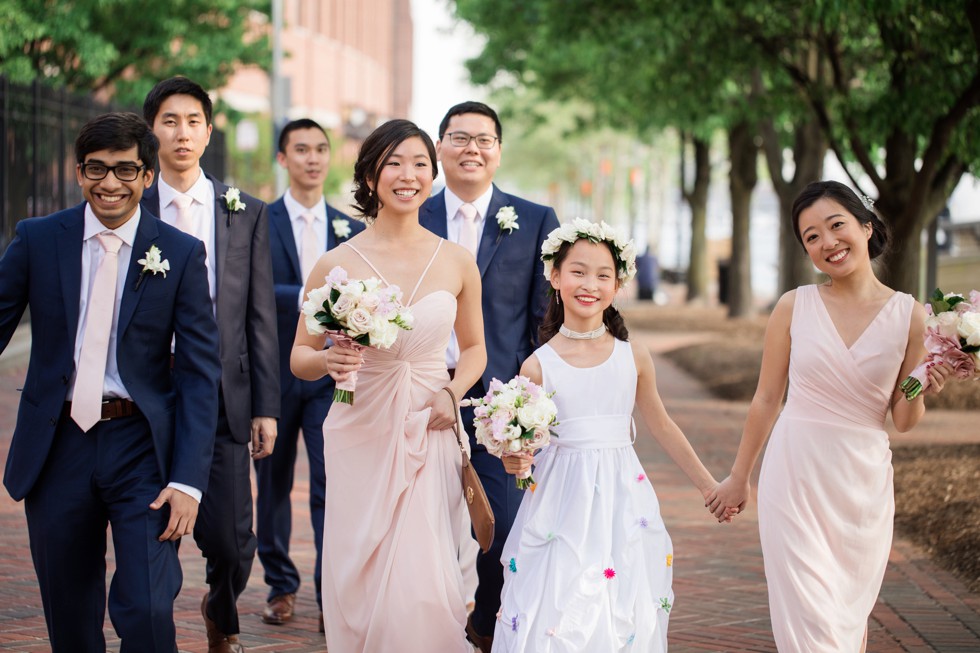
x: 507, y: 219
x: 341, y: 228
x: 152, y: 263
x: 233, y: 202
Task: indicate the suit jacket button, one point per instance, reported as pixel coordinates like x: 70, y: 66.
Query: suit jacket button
x: 53, y: 422
x: 64, y: 380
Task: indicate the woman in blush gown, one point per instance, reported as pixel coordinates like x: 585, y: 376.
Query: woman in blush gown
x: 826, y: 502
x: 391, y: 578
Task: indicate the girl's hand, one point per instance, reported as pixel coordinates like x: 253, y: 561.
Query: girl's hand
x: 727, y: 499
x: 518, y: 464
x: 341, y: 361
x: 443, y: 415
x: 938, y: 373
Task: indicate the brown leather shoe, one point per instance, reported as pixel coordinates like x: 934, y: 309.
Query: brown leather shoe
x: 279, y: 609
x: 218, y: 642
x: 479, y: 641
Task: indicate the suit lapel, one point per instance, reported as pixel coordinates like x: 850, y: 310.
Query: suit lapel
x: 284, y: 229
x: 221, y: 232
x: 433, y: 215
x: 69, y: 244
x: 146, y: 233
x: 490, y: 239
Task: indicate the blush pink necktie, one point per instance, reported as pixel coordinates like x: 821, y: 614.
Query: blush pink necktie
x: 86, y: 404
x: 185, y: 216
x: 467, y: 228
x: 311, y: 249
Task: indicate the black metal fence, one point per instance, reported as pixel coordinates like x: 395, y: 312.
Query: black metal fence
x: 37, y: 168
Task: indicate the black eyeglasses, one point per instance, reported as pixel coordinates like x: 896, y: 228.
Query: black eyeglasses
x: 123, y: 171
x: 462, y: 139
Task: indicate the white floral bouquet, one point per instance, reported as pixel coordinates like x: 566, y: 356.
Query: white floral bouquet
x: 355, y: 313
x: 952, y: 337
x: 513, y: 417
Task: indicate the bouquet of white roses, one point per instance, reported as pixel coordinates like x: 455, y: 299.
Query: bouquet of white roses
x: 513, y: 417
x: 952, y: 337
x: 355, y: 313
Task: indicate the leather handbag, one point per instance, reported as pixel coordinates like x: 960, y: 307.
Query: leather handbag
x: 481, y: 514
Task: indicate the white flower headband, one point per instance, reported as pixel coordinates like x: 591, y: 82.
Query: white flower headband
x: 596, y: 232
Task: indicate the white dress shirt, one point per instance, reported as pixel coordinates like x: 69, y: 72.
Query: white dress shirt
x: 453, y: 222
x: 92, y: 255
x: 296, y: 211
x: 202, y: 192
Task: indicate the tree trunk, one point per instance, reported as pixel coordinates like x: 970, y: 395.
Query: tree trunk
x: 697, y: 199
x: 743, y: 177
x: 900, y: 265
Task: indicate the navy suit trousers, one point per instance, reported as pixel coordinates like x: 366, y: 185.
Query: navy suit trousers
x: 89, y: 481
x: 304, y: 408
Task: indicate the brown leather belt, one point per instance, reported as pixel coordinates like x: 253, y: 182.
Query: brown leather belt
x: 113, y: 408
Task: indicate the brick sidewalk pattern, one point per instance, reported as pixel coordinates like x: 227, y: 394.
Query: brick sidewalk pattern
x: 721, y: 599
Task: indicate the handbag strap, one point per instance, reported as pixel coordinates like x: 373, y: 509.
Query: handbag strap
x: 456, y: 429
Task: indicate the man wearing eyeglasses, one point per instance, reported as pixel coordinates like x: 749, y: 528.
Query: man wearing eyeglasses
x: 104, y: 435
x: 504, y: 233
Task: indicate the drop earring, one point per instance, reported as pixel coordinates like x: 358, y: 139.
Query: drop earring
x: 558, y: 297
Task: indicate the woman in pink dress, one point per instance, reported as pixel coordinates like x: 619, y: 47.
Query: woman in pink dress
x: 391, y: 577
x: 826, y: 502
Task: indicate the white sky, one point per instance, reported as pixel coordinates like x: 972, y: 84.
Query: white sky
x: 440, y: 80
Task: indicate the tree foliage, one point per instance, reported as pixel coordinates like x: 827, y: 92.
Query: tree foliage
x: 123, y: 47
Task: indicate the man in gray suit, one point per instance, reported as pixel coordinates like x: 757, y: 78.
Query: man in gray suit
x: 235, y: 231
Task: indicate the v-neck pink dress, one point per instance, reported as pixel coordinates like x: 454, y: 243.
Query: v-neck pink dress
x: 391, y: 577
x: 826, y: 502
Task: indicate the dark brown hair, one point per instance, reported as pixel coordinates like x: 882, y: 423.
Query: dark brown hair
x: 117, y: 132
x: 554, y: 314
x: 374, y: 154
x: 175, y: 86
x: 848, y: 199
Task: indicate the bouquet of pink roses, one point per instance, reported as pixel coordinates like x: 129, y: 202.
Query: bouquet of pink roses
x: 355, y: 313
x: 952, y: 337
x: 513, y: 417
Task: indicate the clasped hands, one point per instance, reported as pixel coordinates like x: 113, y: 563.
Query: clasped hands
x: 727, y: 498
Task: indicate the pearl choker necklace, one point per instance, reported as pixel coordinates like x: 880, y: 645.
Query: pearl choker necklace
x: 579, y: 335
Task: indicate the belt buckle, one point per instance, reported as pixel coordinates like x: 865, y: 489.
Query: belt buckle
x: 105, y: 419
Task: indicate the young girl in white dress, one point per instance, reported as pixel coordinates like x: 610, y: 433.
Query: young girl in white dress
x: 587, y: 566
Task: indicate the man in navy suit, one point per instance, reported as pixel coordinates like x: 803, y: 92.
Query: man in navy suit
x: 302, y: 227
x: 233, y: 227
x: 104, y: 435
x: 506, y: 232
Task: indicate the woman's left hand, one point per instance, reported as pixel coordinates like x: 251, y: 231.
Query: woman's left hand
x: 938, y: 374
x: 443, y: 415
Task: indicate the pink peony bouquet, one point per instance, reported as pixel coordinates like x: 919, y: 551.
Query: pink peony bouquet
x: 513, y: 417
x: 952, y: 337
x: 355, y: 313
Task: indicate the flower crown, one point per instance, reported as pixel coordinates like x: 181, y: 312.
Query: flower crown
x: 595, y: 232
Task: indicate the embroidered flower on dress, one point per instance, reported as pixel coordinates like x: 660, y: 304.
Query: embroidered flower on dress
x: 665, y: 605
x: 629, y: 642
x: 643, y: 522
x: 514, y: 623
x: 670, y: 559
x: 513, y: 565
x: 550, y: 632
x: 609, y: 573
x: 640, y: 478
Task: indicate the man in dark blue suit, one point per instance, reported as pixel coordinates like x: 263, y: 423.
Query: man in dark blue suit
x: 233, y: 227
x: 104, y: 435
x: 506, y: 233
x: 302, y: 227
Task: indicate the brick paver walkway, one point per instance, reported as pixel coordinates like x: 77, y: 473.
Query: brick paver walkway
x: 718, y: 580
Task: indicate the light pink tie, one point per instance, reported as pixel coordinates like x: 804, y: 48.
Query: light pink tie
x: 467, y: 229
x: 86, y: 404
x: 185, y: 216
x: 311, y: 249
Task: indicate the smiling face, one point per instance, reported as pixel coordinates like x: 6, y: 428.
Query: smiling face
x: 586, y: 282
x: 306, y: 159
x: 405, y: 178
x: 469, y: 170
x: 181, y: 126
x: 835, y: 240
x: 114, y: 202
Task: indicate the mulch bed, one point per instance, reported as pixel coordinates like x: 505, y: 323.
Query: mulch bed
x: 937, y: 488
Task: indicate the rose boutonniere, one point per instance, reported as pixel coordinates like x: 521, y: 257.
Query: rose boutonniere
x: 233, y: 202
x: 341, y: 228
x: 507, y: 219
x: 152, y: 263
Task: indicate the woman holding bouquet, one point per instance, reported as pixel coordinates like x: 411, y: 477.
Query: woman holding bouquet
x: 391, y: 579
x: 826, y: 502
x: 588, y: 563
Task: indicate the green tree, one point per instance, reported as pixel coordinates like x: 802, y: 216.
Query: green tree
x: 124, y: 48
